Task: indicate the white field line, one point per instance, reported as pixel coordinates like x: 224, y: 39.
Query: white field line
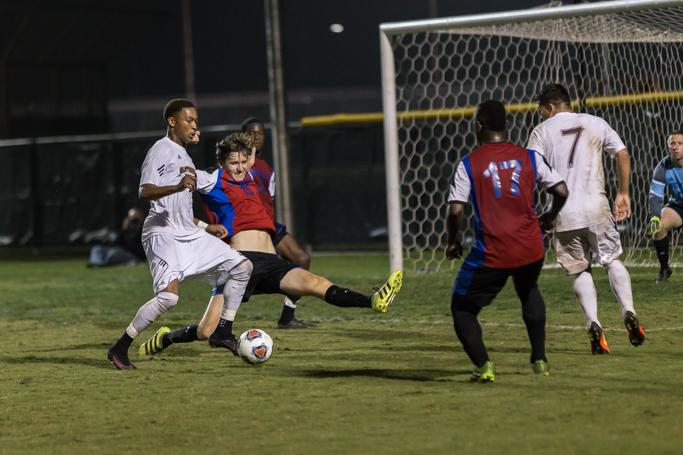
x: 516, y: 325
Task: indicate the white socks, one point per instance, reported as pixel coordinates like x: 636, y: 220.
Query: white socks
x: 587, y: 296
x: 620, y: 281
x: 150, y: 311
x: 234, y: 289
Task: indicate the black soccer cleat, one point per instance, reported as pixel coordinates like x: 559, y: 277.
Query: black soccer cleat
x: 664, y: 275
x: 597, y: 339
x: 636, y: 334
x: 120, y: 360
x: 231, y: 344
x: 294, y: 324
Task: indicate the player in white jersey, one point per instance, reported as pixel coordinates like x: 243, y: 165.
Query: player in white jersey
x: 176, y: 244
x: 585, y: 231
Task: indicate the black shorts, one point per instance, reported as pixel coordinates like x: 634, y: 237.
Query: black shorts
x: 479, y: 285
x: 676, y: 208
x: 269, y: 270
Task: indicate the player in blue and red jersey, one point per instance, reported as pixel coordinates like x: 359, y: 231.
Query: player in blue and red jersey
x: 498, y: 179
x: 285, y: 244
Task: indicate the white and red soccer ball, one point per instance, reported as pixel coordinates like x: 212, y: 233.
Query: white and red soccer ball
x: 255, y: 346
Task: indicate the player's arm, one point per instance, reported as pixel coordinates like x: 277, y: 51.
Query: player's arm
x: 552, y: 182
x: 560, y: 193
x: 150, y: 191
x: 454, y: 219
x: 459, y: 192
x: 656, y: 198
x: 217, y: 230
x: 614, y: 146
x: 622, y: 203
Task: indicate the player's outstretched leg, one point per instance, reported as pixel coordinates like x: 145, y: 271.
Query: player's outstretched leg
x: 385, y: 295
x: 154, y: 345
x: 636, y: 334
x: 597, y: 340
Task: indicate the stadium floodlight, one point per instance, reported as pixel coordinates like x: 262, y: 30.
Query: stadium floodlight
x: 621, y: 60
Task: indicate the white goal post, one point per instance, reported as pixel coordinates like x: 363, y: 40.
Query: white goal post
x: 621, y: 60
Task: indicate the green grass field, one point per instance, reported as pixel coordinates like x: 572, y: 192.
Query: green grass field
x: 358, y: 383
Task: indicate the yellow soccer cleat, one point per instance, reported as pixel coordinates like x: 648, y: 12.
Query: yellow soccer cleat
x: 382, y: 299
x: 154, y: 345
x: 541, y: 367
x: 485, y: 373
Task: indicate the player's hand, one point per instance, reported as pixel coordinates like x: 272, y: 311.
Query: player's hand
x: 453, y: 250
x: 654, y: 226
x: 547, y: 222
x: 217, y: 230
x: 188, y: 181
x: 622, y: 207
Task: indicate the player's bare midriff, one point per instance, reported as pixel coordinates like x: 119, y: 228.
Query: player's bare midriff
x: 253, y: 240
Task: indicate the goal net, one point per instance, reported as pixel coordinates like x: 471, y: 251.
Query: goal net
x: 621, y: 61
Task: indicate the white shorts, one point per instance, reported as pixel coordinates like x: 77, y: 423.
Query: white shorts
x: 206, y: 257
x: 576, y: 250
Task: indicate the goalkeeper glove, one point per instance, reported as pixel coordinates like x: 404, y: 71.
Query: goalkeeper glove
x: 655, y: 225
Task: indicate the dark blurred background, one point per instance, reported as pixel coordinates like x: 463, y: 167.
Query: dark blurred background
x: 76, y: 67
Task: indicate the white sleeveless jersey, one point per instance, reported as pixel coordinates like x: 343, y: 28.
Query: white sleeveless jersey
x: 574, y: 145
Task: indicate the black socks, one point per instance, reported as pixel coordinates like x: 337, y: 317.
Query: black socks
x: 185, y: 335
x: 122, y: 344
x: 287, y: 314
x: 343, y: 297
x: 224, y: 330
x: 662, y: 248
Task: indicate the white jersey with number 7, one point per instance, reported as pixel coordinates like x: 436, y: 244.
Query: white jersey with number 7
x: 574, y: 145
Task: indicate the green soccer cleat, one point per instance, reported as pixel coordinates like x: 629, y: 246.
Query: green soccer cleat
x: 382, y: 299
x: 485, y: 373
x: 541, y: 367
x: 154, y: 345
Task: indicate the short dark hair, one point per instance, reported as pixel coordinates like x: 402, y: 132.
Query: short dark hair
x: 676, y: 132
x: 248, y: 121
x: 491, y: 115
x: 176, y: 105
x: 554, y: 94
x: 233, y: 142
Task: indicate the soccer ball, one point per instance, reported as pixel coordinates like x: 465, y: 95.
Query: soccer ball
x: 255, y: 346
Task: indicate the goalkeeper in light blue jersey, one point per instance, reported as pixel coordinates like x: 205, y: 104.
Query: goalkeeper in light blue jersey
x: 667, y: 179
